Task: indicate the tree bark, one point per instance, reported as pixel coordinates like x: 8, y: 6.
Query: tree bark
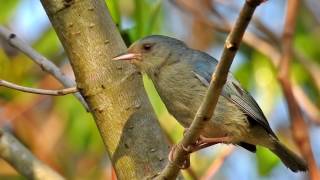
x: 126, y: 121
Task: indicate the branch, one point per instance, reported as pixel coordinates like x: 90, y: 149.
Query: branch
x: 218, y: 162
x: 270, y: 36
x: 59, y: 92
x: 219, y: 78
x: 43, y: 62
x: 308, y: 106
x: 190, y: 170
x: 310, y: 65
x: 298, y: 126
x: 12, y: 151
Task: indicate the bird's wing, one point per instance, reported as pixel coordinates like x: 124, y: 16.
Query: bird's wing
x: 204, y: 65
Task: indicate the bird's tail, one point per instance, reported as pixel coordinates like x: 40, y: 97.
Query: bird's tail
x: 289, y: 158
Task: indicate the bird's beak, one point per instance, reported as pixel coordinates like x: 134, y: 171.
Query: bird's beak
x: 127, y: 56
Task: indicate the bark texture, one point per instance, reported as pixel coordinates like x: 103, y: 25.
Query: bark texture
x: 126, y: 121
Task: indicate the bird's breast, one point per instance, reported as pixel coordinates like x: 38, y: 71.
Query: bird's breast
x: 182, y: 93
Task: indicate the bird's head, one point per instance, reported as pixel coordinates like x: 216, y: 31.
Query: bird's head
x: 153, y: 52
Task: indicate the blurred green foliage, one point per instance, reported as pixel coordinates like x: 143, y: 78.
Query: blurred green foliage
x: 81, y: 131
x: 7, y: 9
x: 266, y: 161
x: 79, y: 152
x: 48, y: 43
x: 113, y: 6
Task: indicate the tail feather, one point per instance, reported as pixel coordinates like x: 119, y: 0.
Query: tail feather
x: 289, y: 158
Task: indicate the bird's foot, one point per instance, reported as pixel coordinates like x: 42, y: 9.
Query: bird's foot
x: 201, y: 143
x: 186, y: 162
x: 204, y: 142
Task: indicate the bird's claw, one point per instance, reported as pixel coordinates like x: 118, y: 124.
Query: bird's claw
x: 203, y: 142
x: 186, y: 161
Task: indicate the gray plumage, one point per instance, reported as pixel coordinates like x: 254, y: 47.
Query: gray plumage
x: 181, y: 76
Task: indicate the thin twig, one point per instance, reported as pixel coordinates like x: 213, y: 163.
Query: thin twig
x: 219, y: 78
x: 308, y: 107
x: 43, y: 62
x: 313, y: 7
x: 271, y: 36
x: 310, y: 65
x: 224, y: 26
x: 298, y: 125
x: 12, y: 151
x: 190, y: 170
x: 59, y: 92
x: 218, y: 162
x: 200, y: 14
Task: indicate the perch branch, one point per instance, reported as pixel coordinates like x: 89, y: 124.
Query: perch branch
x: 308, y: 106
x: 310, y: 65
x: 43, y: 62
x: 59, y: 92
x: 12, y: 151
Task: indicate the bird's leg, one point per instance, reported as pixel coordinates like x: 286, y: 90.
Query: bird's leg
x: 224, y: 139
x: 201, y: 143
x: 204, y: 142
x: 186, y: 162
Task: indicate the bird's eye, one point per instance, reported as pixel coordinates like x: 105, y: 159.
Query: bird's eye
x: 147, y: 46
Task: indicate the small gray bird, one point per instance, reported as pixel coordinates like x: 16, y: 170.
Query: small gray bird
x: 181, y: 76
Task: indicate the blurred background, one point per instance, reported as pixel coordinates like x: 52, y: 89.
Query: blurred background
x: 60, y: 132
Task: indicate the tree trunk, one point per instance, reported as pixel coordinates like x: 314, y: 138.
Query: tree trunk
x: 126, y: 121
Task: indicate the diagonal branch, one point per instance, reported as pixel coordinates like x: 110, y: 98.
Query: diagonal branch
x: 59, y: 92
x: 43, y: 62
x: 310, y: 65
x: 218, y: 162
x: 22, y: 159
x: 219, y: 78
x: 308, y: 106
x: 298, y: 125
x: 223, y: 26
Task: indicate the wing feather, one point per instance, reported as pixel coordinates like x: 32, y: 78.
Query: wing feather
x: 204, y: 65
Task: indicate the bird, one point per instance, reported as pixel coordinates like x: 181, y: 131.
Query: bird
x: 181, y: 76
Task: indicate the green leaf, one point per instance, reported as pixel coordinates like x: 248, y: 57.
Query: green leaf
x: 266, y: 161
x: 113, y: 7
x: 154, y: 97
x: 81, y: 131
x: 243, y: 74
x: 152, y: 21
x: 167, y: 121
x: 146, y: 18
x: 308, y: 43
x: 139, y: 14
